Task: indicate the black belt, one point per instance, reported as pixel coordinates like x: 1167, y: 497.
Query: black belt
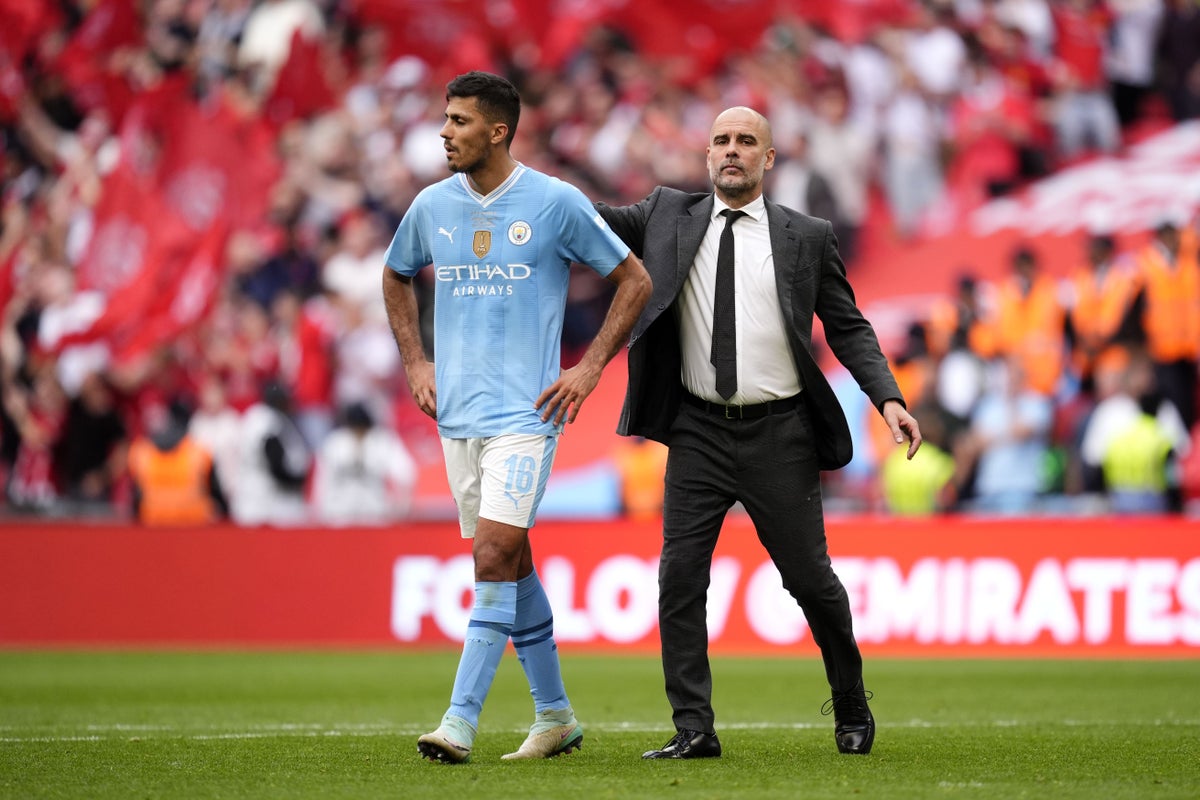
x: 743, y: 412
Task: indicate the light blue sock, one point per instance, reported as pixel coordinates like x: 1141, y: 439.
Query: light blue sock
x: 491, y: 623
x: 533, y: 638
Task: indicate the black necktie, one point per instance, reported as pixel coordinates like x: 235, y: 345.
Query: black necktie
x: 724, y: 335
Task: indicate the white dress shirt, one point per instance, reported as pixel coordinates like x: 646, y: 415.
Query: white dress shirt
x: 765, y: 368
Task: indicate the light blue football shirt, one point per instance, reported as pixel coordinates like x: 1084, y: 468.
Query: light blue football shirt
x: 501, y: 264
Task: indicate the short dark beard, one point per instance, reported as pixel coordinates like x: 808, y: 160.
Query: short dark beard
x: 467, y: 168
x: 740, y: 190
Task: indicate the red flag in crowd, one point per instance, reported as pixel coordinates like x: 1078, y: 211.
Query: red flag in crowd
x: 704, y: 34
x: 854, y: 21
x: 190, y: 172
x: 216, y: 163
x: 451, y: 36
x: 87, y: 63
x: 126, y: 254
x: 302, y: 86
x: 8, y: 278
x: 25, y: 21
x: 156, y: 273
x: 188, y: 283
x: 12, y: 87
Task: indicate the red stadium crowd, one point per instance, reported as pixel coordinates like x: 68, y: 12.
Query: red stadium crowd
x: 197, y: 194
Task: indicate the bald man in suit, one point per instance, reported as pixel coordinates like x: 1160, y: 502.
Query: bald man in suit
x: 745, y: 411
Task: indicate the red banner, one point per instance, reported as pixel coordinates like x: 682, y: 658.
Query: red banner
x: 157, y: 252
x: 944, y: 587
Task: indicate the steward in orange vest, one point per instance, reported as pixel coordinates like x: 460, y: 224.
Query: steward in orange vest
x: 1169, y: 276
x: 957, y: 323
x: 1102, y: 300
x: 174, y: 482
x: 1030, y: 323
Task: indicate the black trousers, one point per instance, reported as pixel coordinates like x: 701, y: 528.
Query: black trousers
x: 770, y: 466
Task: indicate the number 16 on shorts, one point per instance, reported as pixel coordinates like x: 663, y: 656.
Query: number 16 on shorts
x: 501, y: 478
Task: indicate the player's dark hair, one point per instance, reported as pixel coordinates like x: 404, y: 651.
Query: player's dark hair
x: 497, y: 98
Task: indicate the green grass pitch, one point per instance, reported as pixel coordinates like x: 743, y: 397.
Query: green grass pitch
x: 344, y: 725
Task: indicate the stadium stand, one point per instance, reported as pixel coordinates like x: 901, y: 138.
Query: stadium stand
x: 195, y: 193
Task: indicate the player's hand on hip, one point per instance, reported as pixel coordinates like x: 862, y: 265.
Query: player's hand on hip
x: 421, y: 385
x: 563, y: 398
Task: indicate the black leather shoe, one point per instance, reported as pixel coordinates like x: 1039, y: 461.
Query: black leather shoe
x: 688, y: 744
x: 853, y: 724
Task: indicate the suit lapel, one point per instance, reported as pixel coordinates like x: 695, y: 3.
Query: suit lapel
x: 693, y: 224
x: 785, y: 253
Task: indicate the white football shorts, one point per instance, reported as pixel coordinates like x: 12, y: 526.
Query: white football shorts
x: 501, y: 478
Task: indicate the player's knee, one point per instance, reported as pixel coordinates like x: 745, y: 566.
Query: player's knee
x: 494, y: 561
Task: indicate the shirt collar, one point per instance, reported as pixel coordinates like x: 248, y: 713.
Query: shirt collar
x: 756, y: 208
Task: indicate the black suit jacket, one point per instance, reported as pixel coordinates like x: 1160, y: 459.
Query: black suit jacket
x: 665, y: 231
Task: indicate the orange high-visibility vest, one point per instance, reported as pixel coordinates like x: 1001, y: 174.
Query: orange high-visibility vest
x: 174, y: 485
x: 1030, y: 327
x: 1099, y: 308
x: 642, y: 466
x: 943, y: 323
x: 1172, y: 311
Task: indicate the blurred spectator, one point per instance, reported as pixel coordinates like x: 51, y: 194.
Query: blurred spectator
x: 1179, y: 56
x: 217, y: 427
x: 353, y: 271
x: 1029, y: 76
x: 919, y: 491
x: 366, y: 362
x: 240, y: 348
x: 641, y: 464
x: 173, y: 476
x: 796, y: 184
x: 1141, y: 468
x: 1130, y: 435
x: 958, y: 322
x: 925, y: 484
x: 960, y: 340
x: 307, y: 333
x: 1032, y: 19
x: 1102, y: 299
x: 38, y: 412
x: 1030, y: 322
x: 275, y: 464
x: 870, y: 68
x: 1008, y: 443
x: 325, y: 164
x: 91, y: 453
x: 292, y: 267
x: 914, y: 367
x: 1169, y: 273
x: 991, y: 121
x: 363, y: 474
x: 1130, y: 61
x: 266, y: 36
x: 935, y: 52
x: 217, y: 36
x: 1085, y: 117
x: 912, y: 173
x: 844, y: 153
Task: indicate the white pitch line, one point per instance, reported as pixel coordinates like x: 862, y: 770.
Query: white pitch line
x: 117, y: 731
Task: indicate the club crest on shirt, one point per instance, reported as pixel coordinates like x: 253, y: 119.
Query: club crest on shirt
x: 482, y: 243
x: 519, y: 232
